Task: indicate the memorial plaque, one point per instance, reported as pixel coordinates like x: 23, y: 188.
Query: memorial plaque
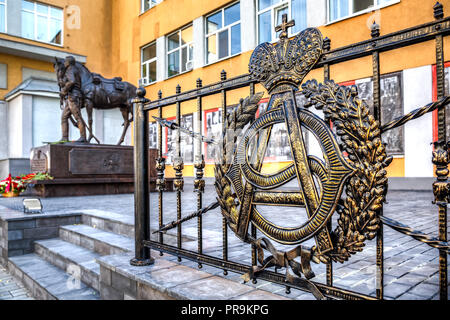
x: 39, y: 162
x: 100, y: 162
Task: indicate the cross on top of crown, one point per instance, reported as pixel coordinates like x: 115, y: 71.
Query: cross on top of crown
x: 285, y: 25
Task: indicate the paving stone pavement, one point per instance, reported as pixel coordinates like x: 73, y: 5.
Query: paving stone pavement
x: 411, y: 267
x: 12, y: 289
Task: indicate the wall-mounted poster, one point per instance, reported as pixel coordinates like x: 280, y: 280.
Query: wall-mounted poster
x: 153, y: 135
x: 365, y: 91
x: 447, y: 93
x: 391, y: 106
x: 187, y: 142
x: 213, y: 130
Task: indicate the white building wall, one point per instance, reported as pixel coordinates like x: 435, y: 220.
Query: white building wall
x: 3, y: 130
x: 161, y: 64
x: 15, y: 127
x: 198, y: 27
x: 74, y: 133
x: 417, y: 92
x: 316, y: 12
x: 248, y: 25
x: 46, y: 120
x: 112, y: 127
x: 39, y: 74
x: 98, y: 124
x: 314, y: 148
x: 27, y: 126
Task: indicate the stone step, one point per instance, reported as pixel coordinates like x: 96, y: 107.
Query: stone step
x: 109, y: 221
x: 103, y: 242
x: 124, y: 225
x: 47, y: 282
x: 71, y: 258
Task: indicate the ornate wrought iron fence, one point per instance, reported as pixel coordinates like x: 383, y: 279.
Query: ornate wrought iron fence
x: 435, y: 30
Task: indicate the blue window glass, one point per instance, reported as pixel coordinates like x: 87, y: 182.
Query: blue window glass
x: 262, y: 4
x: 232, y: 14
x: 174, y: 63
x: 2, y: 17
x: 265, y: 27
x: 236, y: 39
x: 214, y: 22
x: 299, y: 15
x: 338, y: 9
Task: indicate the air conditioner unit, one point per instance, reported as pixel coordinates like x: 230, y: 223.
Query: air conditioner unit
x: 189, y: 66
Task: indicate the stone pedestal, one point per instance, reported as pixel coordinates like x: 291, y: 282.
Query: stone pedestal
x: 88, y: 169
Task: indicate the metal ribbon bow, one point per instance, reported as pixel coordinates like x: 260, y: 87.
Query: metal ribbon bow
x: 286, y: 260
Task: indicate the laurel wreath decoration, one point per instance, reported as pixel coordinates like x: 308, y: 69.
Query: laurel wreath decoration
x: 236, y: 120
x: 360, y: 138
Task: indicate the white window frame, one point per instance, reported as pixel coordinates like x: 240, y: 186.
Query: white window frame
x: 273, y: 9
x: 377, y: 6
x: 49, y: 17
x: 146, y: 78
x: 228, y: 27
x: 151, y: 5
x: 5, y: 4
x: 179, y: 48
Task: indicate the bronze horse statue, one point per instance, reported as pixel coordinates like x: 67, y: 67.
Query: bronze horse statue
x: 103, y: 94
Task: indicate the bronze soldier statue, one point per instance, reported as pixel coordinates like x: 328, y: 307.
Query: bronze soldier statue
x: 71, y: 93
x: 81, y: 88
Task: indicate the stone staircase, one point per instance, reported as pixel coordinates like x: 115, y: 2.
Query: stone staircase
x: 90, y: 261
x: 66, y: 268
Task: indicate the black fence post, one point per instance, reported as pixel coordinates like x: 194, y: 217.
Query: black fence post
x: 141, y: 182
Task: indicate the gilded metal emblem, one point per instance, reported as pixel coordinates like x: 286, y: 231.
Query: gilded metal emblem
x: 242, y: 186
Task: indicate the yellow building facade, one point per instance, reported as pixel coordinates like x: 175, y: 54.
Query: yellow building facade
x: 160, y: 44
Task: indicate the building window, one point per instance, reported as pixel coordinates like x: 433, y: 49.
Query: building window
x: 180, y: 51
x: 223, y: 33
x: 270, y: 13
x: 148, y: 70
x: 41, y: 22
x: 148, y: 4
x: 339, y: 9
x: 3, y: 16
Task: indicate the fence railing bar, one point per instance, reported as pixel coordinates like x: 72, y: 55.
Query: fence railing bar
x: 391, y: 41
x: 178, y: 167
x: 326, y: 77
x: 400, y: 121
x: 223, y: 77
x: 215, y: 88
x: 375, y: 33
x: 141, y: 182
x: 160, y: 183
x: 199, y: 183
x: 418, y: 235
x: 331, y: 292
x: 441, y: 160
